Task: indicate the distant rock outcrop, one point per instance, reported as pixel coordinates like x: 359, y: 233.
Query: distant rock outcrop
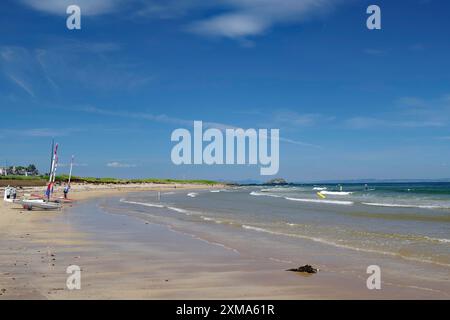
x: 277, y: 182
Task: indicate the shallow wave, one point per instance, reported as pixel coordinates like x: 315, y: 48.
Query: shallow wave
x: 192, y: 194
x: 398, y: 205
x: 343, y: 246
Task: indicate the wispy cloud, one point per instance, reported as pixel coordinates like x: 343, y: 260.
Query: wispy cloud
x: 412, y: 102
x: 375, y: 52
x: 22, y: 85
x: 295, y: 119
x: 36, y: 70
x: 408, y: 112
x: 38, y: 132
x: 369, y: 122
x: 75, y: 164
x: 116, y: 164
x: 177, y: 121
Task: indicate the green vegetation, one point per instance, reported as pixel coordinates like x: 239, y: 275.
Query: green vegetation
x: 64, y: 178
x: 19, y: 177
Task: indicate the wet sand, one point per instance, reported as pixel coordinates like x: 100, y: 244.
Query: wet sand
x: 122, y: 257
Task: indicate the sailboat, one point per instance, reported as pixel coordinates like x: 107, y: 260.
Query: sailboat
x: 42, y: 203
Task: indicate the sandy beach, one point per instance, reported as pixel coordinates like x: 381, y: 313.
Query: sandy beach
x: 128, y: 257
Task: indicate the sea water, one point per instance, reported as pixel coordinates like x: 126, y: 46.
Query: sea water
x: 405, y: 221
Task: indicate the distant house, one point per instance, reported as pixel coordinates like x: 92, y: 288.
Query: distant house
x: 31, y: 170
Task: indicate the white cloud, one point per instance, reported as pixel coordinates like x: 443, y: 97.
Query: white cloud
x: 244, y: 18
x: 235, y: 19
x: 88, y: 7
x: 231, y: 26
x: 116, y: 164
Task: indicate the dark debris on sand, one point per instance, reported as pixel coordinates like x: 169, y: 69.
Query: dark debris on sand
x: 306, y: 269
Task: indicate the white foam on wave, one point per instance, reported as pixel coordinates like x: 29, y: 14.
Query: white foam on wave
x: 179, y: 210
x: 155, y: 205
x: 346, y: 203
x: 145, y: 204
x: 336, y: 193
x: 320, y: 188
x: 192, y: 194
x: 443, y: 240
x: 255, y: 193
x: 339, y: 202
x: 256, y: 229
x: 399, y: 205
x: 211, y: 219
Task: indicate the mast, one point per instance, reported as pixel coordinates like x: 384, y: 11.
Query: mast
x: 51, y: 157
x: 70, y: 173
x: 53, y: 167
x: 56, y: 163
x: 52, y: 175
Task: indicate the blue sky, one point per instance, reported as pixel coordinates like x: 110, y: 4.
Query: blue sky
x: 349, y: 102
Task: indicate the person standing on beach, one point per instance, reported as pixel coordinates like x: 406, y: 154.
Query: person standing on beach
x: 66, y: 190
